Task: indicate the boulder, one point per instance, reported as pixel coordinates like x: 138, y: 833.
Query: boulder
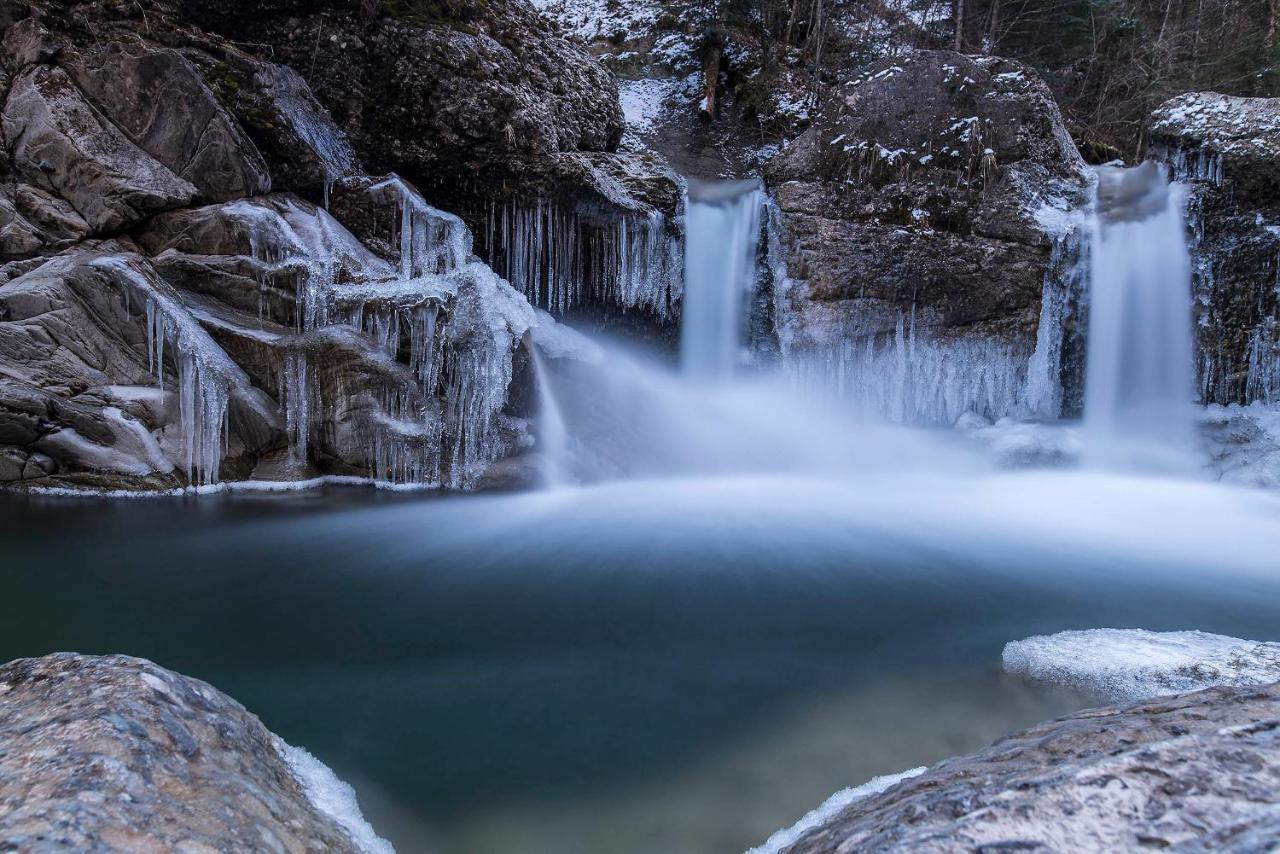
x: 1228, y: 150
x: 1191, y: 772
x: 115, y: 753
x: 159, y: 100
x: 60, y: 143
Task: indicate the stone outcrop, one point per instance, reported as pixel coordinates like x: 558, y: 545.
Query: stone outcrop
x: 925, y: 201
x: 114, y: 753
x: 1193, y: 772
x: 167, y: 319
x: 1228, y: 149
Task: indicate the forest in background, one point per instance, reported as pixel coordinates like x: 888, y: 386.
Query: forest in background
x: 1109, y: 62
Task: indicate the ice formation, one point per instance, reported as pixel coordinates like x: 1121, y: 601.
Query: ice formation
x: 1065, y: 281
x: 828, y: 809
x: 550, y: 253
x: 331, y: 797
x: 310, y: 121
x: 437, y: 330
x: 206, y: 376
x: 915, y: 378
x: 1135, y: 663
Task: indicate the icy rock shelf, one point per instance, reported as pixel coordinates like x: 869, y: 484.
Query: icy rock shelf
x: 1130, y: 664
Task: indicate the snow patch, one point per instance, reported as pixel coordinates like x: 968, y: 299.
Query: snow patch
x: 830, y: 808
x: 1130, y: 664
x: 331, y: 797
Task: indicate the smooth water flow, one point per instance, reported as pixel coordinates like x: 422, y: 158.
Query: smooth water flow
x: 1138, y: 390
x: 722, y: 234
x: 553, y: 435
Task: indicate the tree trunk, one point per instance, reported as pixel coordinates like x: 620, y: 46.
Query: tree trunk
x: 710, y: 79
x: 958, y: 16
x: 1271, y: 24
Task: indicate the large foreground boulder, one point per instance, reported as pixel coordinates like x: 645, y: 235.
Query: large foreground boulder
x: 1228, y: 150
x: 111, y: 753
x: 1192, y: 772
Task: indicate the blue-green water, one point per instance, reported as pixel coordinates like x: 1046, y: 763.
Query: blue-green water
x: 660, y: 666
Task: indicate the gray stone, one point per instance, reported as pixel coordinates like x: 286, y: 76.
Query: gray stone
x: 62, y: 144
x: 113, y: 753
x: 158, y: 99
x: 1192, y: 772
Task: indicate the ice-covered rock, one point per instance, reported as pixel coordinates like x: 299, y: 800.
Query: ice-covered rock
x: 1128, y: 664
x: 1194, y: 772
x: 116, y: 753
x: 921, y: 193
x: 1227, y: 149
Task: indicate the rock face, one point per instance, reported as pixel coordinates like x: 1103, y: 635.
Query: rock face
x: 115, y: 753
x: 1193, y: 772
x: 923, y: 206
x: 1228, y: 149
x: 172, y: 313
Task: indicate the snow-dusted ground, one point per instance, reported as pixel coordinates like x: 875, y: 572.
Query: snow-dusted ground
x: 1129, y: 664
x: 332, y: 797
x: 593, y: 20
x: 829, y: 808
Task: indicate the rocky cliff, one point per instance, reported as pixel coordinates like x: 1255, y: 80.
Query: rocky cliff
x: 110, y: 753
x: 919, y: 217
x: 1228, y: 149
x: 178, y: 306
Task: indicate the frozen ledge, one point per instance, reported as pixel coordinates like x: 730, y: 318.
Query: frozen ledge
x: 1133, y: 663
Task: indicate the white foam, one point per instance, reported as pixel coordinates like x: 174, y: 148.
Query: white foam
x: 829, y: 808
x: 1135, y: 663
x: 332, y: 797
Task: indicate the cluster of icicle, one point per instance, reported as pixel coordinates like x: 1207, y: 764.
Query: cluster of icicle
x: 548, y: 252
x: 911, y: 378
x: 435, y: 424
x: 206, y: 376
x: 1263, y: 379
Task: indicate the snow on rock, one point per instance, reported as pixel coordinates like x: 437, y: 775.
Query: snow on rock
x: 593, y: 20
x: 829, y: 808
x: 1135, y: 663
x: 643, y: 101
x: 332, y: 797
x: 1243, y: 443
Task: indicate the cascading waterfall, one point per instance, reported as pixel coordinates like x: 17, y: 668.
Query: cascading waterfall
x: 722, y: 235
x: 553, y: 433
x: 1139, y: 384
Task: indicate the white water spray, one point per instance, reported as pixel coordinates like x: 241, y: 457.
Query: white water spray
x: 1138, y: 391
x: 722, y: 234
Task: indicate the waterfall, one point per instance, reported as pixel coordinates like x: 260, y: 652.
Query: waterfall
x: 722, y: 232
x: 553, y: 435
x: 1139, y: 384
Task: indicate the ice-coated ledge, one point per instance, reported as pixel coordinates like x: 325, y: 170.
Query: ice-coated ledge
x: 1135, y: 663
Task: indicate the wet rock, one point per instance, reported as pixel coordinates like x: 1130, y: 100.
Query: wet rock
x: 1192, y: 772
x: 919, y: 187
x: 115, y: 753
x: 158, y: 99
x: 921, y: 210
x: 1227, y: 149
x: 61, y: 144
